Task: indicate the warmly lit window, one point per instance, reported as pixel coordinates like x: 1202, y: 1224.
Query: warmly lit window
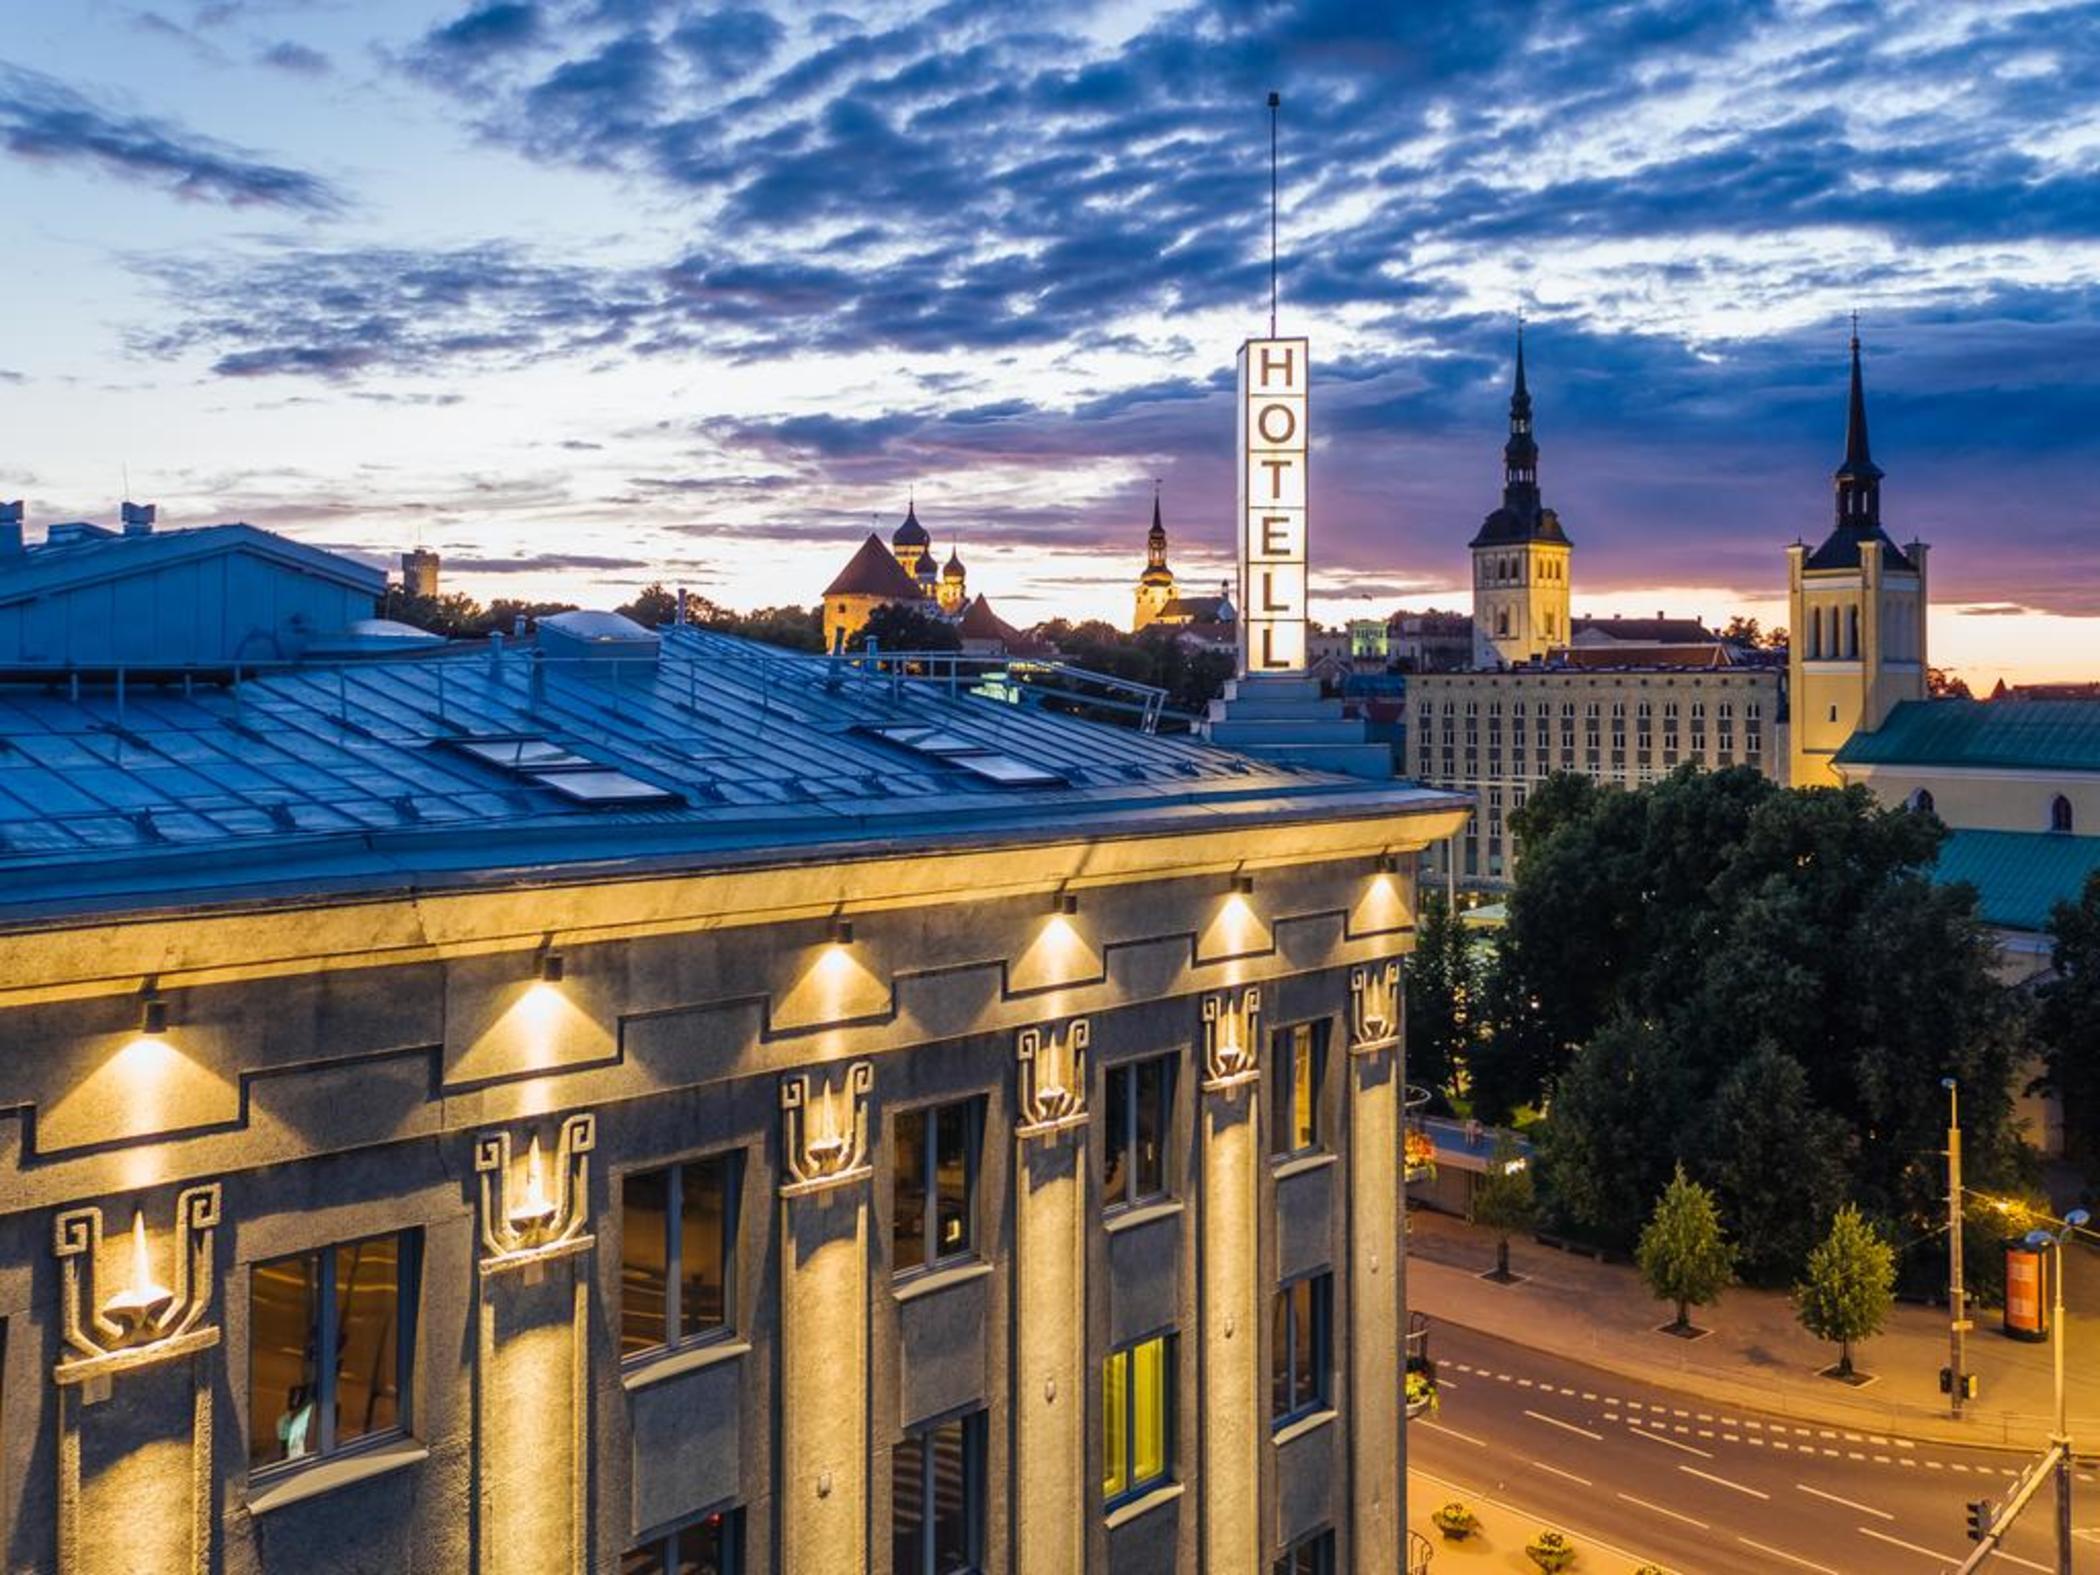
x: 1138, y: 1114
x: 358, y: 1301
x: 1299, y: 1355
x: 712, y: 1545
x: 936, y: 1170
x: 937, y: 1500
x: 1137, y: 1418
x: 1299, y: 1053
x: 677, y: 1253
x: 1313, y: 1555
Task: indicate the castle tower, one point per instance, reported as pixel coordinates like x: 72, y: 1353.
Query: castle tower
x: 1855, y: 613
x: 911, y: 545
x: 953, y: 594
x: 1155, y: 587
x: 1520, y: 555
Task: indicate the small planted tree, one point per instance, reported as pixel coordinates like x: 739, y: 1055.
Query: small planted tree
x: 1849, y: 1287
x: 1506, y: 1200
x: 1682, y: 1254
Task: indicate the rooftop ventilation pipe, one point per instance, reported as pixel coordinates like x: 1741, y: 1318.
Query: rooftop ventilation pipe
x: 138, y: 518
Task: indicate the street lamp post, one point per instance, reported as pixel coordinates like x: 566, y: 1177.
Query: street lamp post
x: 2054, y: 1241
x: 1957, y: 1325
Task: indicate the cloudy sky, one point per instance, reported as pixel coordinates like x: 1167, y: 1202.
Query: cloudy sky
x: 588, y: 292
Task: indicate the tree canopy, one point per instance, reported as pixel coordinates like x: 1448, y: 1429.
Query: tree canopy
x: 1683, y: 1255
x: 1849, y: 1286
x: 2068, y: 1019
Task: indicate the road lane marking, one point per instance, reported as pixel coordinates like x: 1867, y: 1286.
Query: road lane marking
x: 1664, y: 1439
x: 1453, y: 1432
x: 1707, y: 1476
x: 1864, y: 1509
x: 1908, y: 1547
x: 1556, y: 1470
x: 2014, y: 1558
x: 1778, y: 1553
x: 1554, y: 1421
x: 1644, y: 1504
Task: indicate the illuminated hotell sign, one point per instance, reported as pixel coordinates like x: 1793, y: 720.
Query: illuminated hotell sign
x: 1273, y: 378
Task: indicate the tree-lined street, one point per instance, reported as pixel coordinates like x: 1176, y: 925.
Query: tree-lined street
x: 1711, y: 1488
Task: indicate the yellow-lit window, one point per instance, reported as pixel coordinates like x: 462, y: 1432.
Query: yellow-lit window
x: 1298, y: 1053
x: 1137, y: 1418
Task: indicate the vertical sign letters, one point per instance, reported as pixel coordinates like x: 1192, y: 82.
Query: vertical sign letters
x: 1274, y: 374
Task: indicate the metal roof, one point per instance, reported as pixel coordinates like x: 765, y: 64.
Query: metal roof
x: 473, y: 761
x: 2034, y: 735
x: 2019, y: 876
x: 49, y: 566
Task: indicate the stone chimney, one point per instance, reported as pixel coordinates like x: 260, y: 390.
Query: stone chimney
x: 11, y: 529
x: 138, y: 518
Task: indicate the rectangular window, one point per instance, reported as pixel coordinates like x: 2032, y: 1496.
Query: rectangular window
x: 1137, y: 1418
x: 1299, y: 1356
x: 1299, y: 1053
x: 357, y: 1300
x: 1313, y: 1555
x: 711, y: 1545
x: 677, y: 1253
x: 936, y: 1171
x: 1136, y: 1121
x: 937, y: 1500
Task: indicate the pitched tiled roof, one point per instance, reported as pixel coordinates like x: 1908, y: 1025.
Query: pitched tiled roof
x: 2019, y: 876
x: 872, y: 571
x: 2036, y: 735
x: 1648, y: 631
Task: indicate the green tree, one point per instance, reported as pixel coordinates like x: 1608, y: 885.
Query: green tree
x: 1849, y: 1286
x: 1443, y: 988
x: 1775, y: 1161
x: 1616, y: 1118
x: 1506, y: 1201
x: 1683, y: 1256
x: 900, y: 626
x: 791, y: 628
x: 2067, y: 1021
x: 653, y: 606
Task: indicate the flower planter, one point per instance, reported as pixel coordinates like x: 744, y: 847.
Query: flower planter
x: 1455, y: 1521
x: 1551, y: 1551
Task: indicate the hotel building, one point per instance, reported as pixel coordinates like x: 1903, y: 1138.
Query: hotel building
x: 644, y: 1101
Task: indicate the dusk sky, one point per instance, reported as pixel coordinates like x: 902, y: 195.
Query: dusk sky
x: 585, y: 293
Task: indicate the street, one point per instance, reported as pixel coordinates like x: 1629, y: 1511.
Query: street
x: 1714, y: 1489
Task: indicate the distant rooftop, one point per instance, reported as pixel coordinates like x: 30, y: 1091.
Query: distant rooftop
x: 2035, y: 735
x: 458, y: 764
x: 2019, y: 876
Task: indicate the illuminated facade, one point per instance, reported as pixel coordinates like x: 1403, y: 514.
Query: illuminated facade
x: 691, y: 1106
x: 1520, y: 555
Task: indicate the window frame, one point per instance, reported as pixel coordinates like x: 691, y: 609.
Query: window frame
x: 408, y: 1248
x: 1169, y: 1064
x: 975, y: 1427
x: 1133, y: 1489
x: 673, y: 1342
x: 1320, y: 1282
x: 1318, y: 1545
x: 666, y: 1540
x: 1283, y: 1055
x: 932, y: 1260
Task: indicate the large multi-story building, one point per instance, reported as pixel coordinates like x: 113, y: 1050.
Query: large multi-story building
x: 1622, y: 701
x: 1856, y: 610
x: 650, y: 1102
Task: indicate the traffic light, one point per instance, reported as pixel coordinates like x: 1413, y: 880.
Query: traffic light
x: 1946, y: 1380
x: 1980, y: 1518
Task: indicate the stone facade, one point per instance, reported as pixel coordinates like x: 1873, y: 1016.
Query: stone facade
x: 476, y: 1072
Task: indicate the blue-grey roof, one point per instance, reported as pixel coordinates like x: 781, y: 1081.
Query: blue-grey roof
x: 465, y: 763
x: 2037, y: 735
x: 52, y: 565
x: 2019, y: 876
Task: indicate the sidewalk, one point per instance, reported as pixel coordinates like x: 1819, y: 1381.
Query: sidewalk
x: 1757, y: 1355
x: 1497, y: 1548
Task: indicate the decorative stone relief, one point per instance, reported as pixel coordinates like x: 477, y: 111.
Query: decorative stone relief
x: 535, y: 1212
x: 1231, y: 1039
x: 1053, y: 1078
x: 1374, y: 1007
x: 824, y: 1129
x: 142, y: 1322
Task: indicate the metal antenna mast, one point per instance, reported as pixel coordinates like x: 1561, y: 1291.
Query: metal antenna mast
x: 1275, y: 102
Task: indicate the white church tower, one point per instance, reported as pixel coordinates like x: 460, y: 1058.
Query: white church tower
x: 1520, y: 556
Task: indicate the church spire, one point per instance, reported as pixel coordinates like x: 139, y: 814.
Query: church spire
x: 1156, y: 538
x: 1858, y: 478
x: 1520, y: 455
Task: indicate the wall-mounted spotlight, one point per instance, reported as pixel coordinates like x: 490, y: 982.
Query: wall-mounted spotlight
x: 153, y: 1015
x: 1243, y: 885
x: 551, y: 967
x: 1388, y: 864
x: 842, y: 932
x: 1066, y: 903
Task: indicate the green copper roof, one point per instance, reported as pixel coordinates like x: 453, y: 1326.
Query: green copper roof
x: 2019, y: 875
x: 2044, y: 735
